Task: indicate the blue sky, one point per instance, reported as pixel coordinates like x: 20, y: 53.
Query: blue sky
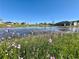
x: 39, y: 10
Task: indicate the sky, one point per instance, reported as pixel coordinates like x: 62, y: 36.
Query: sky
x: 36, y: 11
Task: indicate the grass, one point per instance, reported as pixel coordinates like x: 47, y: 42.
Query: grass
x: 13, y: 25
x: 59, y: 46
x: 21, y: 25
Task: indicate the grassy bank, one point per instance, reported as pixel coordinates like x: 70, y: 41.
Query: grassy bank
x: 22, y: 25
x: 13, y: 25
x: 59, y: 46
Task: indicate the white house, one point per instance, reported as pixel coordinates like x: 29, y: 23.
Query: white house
x: 75, y: 23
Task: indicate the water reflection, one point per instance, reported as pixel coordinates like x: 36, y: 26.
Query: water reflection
x: 74, y: 29
x: 22, y: 32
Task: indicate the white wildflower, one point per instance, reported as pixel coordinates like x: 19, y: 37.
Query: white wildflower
x: 20, y: 57
x: 19, y: 46
x: 52, y: 57
x: 5, y: 50
x: 7, y: 54
x: 2, y: 38
x: 9, y: 37
x: 13, y: 44
x: 50, y: 40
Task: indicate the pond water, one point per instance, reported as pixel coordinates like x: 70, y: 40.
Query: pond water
x: 24, y: 31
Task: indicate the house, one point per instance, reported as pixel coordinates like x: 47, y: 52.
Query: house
x: 76, y: 23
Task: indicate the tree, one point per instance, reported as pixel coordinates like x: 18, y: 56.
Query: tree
x: 23, y: 23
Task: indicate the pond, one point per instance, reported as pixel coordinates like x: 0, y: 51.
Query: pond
x: 24, y: 31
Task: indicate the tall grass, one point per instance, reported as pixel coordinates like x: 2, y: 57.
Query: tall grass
x: 41, y: 47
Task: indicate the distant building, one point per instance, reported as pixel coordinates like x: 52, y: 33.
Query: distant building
x: 76, y: 23
x: 1, y: 22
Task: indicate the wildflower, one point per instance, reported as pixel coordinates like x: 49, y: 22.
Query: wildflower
x: 2, y: 38
x: 7, y: 54
x: 5, y: 50
x: 9, y: 37
x: 52, y: 57
x: 13, y: 44
x: 50, y: 40
x: 19, y: 46
x: 20, y: 57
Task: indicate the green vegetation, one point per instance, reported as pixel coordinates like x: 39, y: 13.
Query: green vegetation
x: 23, y: 25
x: 59, y: 46
x: 42, y: 24
x: 13, y: 25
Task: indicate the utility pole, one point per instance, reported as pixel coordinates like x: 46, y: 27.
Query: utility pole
x: 64, y: 24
